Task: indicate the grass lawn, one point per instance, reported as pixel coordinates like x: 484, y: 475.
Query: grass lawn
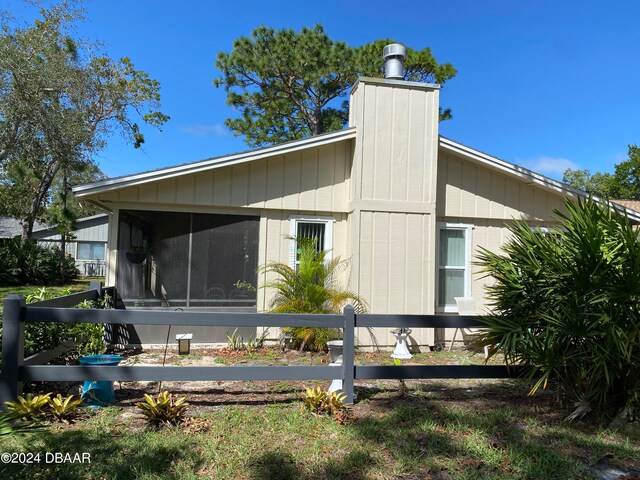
x: 445, y: 429
x: 439, y: 429
x: 77, y: 285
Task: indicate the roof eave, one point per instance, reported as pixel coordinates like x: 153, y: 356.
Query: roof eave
x: 524, y: 174
x: 81, y: 191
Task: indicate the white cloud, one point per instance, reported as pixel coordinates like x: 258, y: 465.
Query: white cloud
x: 202, y: 130
x: 554, y: 166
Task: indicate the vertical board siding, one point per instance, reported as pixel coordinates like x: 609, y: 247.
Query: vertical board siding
x: 417, y: 171
x: 274, y: 247
x: 93, y: 233
x: 315, y: 180
x: 394, y: 266
x: 470, y: 191
x: 396, y: 155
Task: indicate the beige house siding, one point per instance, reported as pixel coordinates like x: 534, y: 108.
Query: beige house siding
x: 394, y: 268
x: 393, y: 193
x: 469, y: 193
x: 396, y: 141
x: 316, y: 179
x: 466, y: 189
x: 275, y: 227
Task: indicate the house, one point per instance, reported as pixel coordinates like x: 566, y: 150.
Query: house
x: 11, y: 227
x: 87, y: 247
x: 405, y: 205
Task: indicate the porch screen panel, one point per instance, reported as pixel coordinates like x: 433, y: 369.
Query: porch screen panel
x: 161, y: 278
x: 224, y: 260
x: 169, y: 274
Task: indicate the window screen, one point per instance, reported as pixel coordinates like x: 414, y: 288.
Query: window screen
x: 313, y: 230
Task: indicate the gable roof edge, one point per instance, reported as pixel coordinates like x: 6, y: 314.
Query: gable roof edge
x: 526, y: 175
x: 109, y: 184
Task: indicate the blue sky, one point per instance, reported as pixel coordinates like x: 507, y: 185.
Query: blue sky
x: 544, y: 84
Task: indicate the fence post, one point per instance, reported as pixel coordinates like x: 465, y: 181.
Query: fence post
x: 12, y: 348
x: 348, y: 352
x: 93, y: 285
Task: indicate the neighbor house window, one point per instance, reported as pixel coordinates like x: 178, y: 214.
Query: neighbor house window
x: 318, y: 228
x: 90, y: 251
x: 454, y: 264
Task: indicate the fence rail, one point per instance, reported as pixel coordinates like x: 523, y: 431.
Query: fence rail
x: 16, y: 369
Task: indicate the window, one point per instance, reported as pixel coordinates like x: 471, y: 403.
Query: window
x: 90, y: 251
x: 318, y: 228
x: 454, y: 265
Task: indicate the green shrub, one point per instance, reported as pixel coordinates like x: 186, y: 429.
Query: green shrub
x: 164, y: 410
x: 568, y: 305
x: 311, y: 288
x: 28, y: 263
x: 88, y: 337
x: 29, y: 407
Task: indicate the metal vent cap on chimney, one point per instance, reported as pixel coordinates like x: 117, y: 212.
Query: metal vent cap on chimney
x: 394, y: 56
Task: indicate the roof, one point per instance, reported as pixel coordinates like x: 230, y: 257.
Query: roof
x: 523, y: 174
x: 9, y: 227
x: 212, y: 163
x: 12, y: 227
x: 629, y: 205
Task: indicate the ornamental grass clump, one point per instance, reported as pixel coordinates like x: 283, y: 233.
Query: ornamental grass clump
x: 567, y: 303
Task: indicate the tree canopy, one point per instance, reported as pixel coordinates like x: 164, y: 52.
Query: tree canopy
x: 60, y: 99
x: 624, y: 183
x: 288, y: 85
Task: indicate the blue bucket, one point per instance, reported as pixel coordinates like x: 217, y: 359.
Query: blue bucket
x: 99, y: 393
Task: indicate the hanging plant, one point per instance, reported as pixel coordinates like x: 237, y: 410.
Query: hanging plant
x: 137, y: 253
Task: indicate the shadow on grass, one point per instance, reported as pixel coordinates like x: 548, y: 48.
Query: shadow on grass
x: 112, y: 456
x: 442, y: 435
x: 282, y: 466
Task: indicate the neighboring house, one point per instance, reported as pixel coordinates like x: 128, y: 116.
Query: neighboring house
x: 88, y: 246
x: 11, y: 227
x: 406, y: 206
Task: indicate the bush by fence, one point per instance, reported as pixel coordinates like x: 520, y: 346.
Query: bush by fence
x: 27, y: 263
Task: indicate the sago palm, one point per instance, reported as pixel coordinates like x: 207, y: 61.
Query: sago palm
x: 311, y: 288
x: 568, y: 305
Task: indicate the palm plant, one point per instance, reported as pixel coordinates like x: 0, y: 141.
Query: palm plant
x: 311, y: 288
x: 568, y: 304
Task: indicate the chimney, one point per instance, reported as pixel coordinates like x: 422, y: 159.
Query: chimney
x: 394, y: 56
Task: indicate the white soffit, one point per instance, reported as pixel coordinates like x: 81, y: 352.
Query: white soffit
x: 212, y: 163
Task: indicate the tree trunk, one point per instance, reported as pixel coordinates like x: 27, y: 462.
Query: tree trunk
x: 63, y: 233
x: 36, y: 204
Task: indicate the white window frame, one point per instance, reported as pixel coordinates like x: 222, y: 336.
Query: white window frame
x: 468, y: 229
x: 89, y: 242
x: 328, y: 222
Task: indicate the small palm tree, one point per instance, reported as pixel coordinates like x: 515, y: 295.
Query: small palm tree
x: 311, y: 288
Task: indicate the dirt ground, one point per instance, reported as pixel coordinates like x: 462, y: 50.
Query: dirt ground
x: 212, y: 395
